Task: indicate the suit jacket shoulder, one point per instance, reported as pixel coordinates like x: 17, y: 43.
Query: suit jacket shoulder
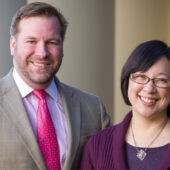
x: 86, y: 114
x: 18, y: 145
x: 77, y: 92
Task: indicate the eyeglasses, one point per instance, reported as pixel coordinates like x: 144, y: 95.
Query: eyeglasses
x: 142, y: 79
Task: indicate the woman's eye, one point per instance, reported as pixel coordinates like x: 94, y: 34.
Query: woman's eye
x: 140, y: 76
x: 162, y: 80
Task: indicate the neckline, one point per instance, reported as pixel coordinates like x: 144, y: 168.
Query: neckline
x: 159, y: 147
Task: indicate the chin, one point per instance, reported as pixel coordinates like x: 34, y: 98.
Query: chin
x: 150, y: 114
x: 41, y: 80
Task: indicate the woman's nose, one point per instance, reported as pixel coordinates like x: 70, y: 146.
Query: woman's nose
x: 150, y: 87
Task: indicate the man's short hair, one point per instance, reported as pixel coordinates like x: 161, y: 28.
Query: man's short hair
x: 37, y: 9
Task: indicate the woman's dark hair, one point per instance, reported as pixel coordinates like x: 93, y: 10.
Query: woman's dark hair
x: 141, y: 59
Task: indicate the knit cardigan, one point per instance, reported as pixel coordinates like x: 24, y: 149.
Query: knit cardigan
x: 106, y: 149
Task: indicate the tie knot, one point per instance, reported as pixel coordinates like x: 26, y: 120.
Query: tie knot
x: 40, y: 94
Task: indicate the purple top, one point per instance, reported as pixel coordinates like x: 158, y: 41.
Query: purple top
x: 106, y: 150
x: 152, y: 160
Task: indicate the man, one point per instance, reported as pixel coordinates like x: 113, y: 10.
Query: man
x: 47, y: 133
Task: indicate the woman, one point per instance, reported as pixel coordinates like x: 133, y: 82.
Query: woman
x: 142, y: 140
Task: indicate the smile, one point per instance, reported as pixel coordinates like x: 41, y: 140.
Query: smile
x: 147, y: 100
x: 40, y: 64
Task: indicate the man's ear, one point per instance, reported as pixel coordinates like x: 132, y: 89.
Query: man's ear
x: 12, y: 45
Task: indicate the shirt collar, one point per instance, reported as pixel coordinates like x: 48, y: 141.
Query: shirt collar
x: 24, y: 89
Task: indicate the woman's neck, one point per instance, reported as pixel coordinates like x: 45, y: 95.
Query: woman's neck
x: 144, y: 130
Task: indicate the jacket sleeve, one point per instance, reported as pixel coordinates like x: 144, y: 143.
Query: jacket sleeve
x: 87, y: 161
x: 105, y: 117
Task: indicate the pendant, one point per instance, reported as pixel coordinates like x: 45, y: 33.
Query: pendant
x: 141, y: 154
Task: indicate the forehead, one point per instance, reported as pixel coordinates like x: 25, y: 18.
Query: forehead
x: 160, y: 66
x: 39, y: 24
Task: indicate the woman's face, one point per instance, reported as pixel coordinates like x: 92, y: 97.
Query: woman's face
x: 148, y: 100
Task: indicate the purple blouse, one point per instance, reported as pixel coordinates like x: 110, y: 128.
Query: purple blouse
x: 152, y: 160
x: 107, y: 150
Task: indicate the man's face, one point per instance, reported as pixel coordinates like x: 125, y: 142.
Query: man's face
x: 37, y: 50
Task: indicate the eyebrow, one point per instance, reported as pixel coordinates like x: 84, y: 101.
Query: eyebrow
x: 54, y: 39
x: 50, y: 39
x: 164, y: 74
x: 29, y: 37
x: 159, y: 74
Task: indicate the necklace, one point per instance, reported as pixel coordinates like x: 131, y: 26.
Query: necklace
x: 141, y: 153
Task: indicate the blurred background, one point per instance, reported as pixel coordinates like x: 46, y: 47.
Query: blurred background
x: 100, y: 37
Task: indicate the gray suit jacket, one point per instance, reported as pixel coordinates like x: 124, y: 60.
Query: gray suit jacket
x: 19, y: 150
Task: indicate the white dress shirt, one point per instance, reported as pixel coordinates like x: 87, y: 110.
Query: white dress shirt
x: 55, y: 108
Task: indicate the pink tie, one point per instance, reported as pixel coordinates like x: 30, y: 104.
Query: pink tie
x: 46, y: 135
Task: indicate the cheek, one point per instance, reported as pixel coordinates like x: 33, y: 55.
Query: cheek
x: 56, y: 54
x: 21, y: 56
x: 167, y: 96
x: 56, y: 51
x: 133, y: 90
x: 130, y: 92
x: 27, y: 49
x: 24, y: 50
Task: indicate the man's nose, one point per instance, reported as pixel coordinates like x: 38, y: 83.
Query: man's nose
x: 41, y: 50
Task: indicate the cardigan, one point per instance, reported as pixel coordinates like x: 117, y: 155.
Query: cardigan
x: 106, y: 149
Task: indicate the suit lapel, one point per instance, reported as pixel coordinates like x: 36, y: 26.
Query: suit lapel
x: 72, y: 112
x: 12, y: 107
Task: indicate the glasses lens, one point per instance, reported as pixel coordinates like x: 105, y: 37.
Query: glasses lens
x: 164, y: 83
x: 142, y: 79
x: 139, y: 78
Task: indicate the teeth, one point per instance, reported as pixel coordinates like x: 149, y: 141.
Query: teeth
x: 38, y: 64
x: 147, y: 100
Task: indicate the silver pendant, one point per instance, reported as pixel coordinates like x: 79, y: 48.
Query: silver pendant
x: 141, y: 154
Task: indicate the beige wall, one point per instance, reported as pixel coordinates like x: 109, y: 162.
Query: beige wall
x: 136, y: 21
x: 95, y: 51
x: 88, y: 47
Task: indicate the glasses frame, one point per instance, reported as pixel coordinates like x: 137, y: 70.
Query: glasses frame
x: 148, y: 80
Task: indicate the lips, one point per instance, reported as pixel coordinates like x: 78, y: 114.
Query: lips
x: 148, y: 101
x: 40, y: 64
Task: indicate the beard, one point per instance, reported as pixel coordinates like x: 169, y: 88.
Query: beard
x: 37, y: 77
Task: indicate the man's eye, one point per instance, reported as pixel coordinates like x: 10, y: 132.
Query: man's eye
x: 31, y: 42
x: 54, y: 42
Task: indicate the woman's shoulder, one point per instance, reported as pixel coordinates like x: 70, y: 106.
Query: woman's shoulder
x: 103, y: 136
x: 112, y: 132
